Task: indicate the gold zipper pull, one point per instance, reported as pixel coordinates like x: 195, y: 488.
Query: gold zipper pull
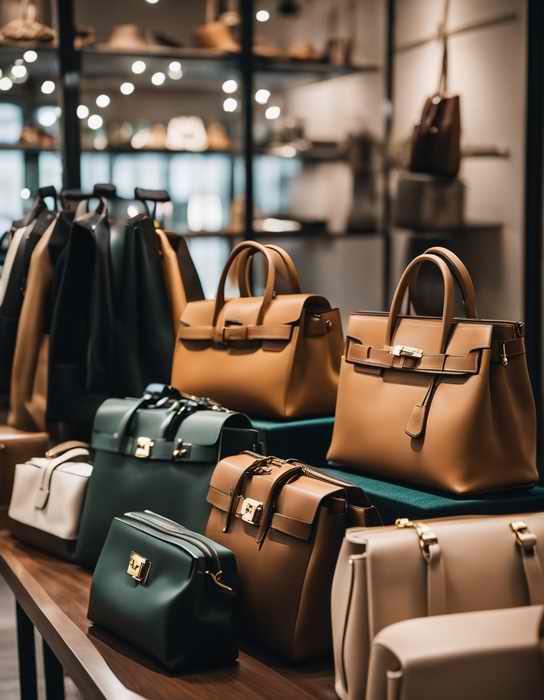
x: 504, y: 356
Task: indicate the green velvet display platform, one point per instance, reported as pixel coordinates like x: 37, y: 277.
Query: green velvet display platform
x: 307, y: 440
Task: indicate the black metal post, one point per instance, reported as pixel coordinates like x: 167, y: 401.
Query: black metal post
x: 534, y: 190
x: 54, y: 674
x: 26, y: 651
x: 389, y: 88
x: 69, y: 94
x: 247, y: 73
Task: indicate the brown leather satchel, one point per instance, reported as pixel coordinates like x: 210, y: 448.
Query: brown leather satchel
x: 436, y: 141
x: 437, y: 567
x: 444, y: 403
x: 285, y: 523
x: 275, y: 356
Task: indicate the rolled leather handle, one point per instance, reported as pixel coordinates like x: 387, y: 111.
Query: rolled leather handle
x: 405, y: 281
x: 283, y: 263
x: 461, y: 275
x: 63, y: 447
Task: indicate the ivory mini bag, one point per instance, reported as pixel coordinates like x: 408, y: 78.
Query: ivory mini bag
x: 48, y: 496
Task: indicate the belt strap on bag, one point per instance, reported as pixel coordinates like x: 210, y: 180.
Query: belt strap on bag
x: 235, y: 333
x: 76, y: 454
x: 534, y: 575
x: 435, y: 572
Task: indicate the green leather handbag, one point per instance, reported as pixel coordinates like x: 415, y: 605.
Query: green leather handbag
x: 166, y: 590
x: 156, y: 453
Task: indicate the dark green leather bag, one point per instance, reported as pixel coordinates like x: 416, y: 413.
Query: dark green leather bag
x: 167, y: 591
x: 156, y: 453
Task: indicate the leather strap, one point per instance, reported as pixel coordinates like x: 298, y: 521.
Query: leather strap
x: 532, y: 567
x: 282, y: 477
x: 159, y: 449
x: 76, y: 454
x: 119, y: 435
x: 283, y: 262
x: 65, y: 447
x: 462, y: 277
x: 235, y: 333
x: 436, y: 582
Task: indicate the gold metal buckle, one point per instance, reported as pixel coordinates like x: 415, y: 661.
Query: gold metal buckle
x: 425, y: 535
x: 251, y: 511
x: 138, y: 568
x: 524, y: 537
x: 181, y: 449
x: 143, y: 447
x: 406, y: 351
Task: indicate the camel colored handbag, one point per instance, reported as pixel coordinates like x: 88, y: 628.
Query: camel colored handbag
x: 494, y: 654
x: 284, y: 522
x: 410, y: 570
x: 275, y: 356
x: 443, y: 403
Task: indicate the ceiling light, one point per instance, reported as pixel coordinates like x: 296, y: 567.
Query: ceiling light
x: 230, y: 104
x: 230, y: 86
x: 262, y: 96
x: 19, y: 71
x: 48, y: 87
x: 152, y: 2
x: 138, y: 67
x: 262, y: 15
x: 25, y: 193
x: 5, y: 84
x: 95, y: 121
x: 82, y: 112
x: 158, y: 78
x: 272, y: 112
x: 127, y: 88
x: 30, y: 56
x: 103, y: 101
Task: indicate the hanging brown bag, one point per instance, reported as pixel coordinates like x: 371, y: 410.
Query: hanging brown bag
x: 444, y: 403
x: 436, y: 141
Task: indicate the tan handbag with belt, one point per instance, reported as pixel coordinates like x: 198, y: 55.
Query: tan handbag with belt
x: 451, y: 565
x: 285, y: 523
x: 495, y: 654
x: 444, y: 403
x: 275, y: 356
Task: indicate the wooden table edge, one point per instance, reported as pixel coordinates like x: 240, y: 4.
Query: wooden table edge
x: 79, y: 657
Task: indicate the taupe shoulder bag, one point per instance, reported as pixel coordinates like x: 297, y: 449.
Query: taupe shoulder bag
x: 444, y: 403
x: 272, y: 356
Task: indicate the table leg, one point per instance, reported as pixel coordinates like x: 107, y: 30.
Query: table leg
x: 54, y: 674
x: 26, y: 650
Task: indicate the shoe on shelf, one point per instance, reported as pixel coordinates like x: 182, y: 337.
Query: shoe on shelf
x: 26, y: 27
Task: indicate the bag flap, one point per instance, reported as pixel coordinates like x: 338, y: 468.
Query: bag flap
x: 110, y: 414
x: 204, y: 427
x: 284, y: 309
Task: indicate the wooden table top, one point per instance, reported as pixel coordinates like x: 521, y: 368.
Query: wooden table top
x: 54, y: 594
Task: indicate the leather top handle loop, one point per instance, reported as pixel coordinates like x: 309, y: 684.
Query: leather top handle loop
x: 283, y: 263
x: 462, y: 277
x: 270, y: 280
x: 449, y: 298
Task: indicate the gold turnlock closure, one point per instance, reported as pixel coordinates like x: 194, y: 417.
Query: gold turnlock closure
x: 143, y: 447
x: 251, y: 511
x: 425, y: 535
x: 181, y: 449
x: 524, y: 537
x: 406, y: 351
x: 138, y: 568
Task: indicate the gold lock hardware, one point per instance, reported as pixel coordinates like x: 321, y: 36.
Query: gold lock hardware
x: 251, y: 511
x: 406, y: 351
x: 524, y: 537
x: 425, y: 535
x: 143, y: 447
x: 138, y: 568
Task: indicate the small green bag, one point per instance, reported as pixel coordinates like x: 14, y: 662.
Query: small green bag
x: 167, y: 591
x: 156, y: 453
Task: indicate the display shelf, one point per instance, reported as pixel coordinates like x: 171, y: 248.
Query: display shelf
x: 289, y: 73
x: 46, y: 65
x: 27, y: 149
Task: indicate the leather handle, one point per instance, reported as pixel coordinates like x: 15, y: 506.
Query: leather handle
x: 283, y: 263
x: 63, y: 447
x: 120, y: 434
x: 448, y: 308
x: 270, y: 280
x: 462, y: 277
x: 42, y: 496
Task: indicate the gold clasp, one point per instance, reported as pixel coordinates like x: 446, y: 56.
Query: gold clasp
x: 217, y: 579
x: 524, y: 537
x: 406, y: 351
x: 251, y: 511
x: 425, y: 535
x: 504, y: 356
x: 138, y: 568
x: 143, y: 447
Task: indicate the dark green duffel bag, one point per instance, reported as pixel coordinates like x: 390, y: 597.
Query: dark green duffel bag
x: 167, y: 591
x: 156, y: 453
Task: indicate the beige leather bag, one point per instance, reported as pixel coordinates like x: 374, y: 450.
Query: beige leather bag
x: 495, y: 654
x: 284, y: 522
x: 444, y: 403
x: 451, y: 565
x: 275, y: 356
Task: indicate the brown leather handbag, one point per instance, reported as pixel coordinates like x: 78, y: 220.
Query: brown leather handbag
x: 438, y: 567
x: 285, y: 523
x: 444, y: 403
x: 436, y: 141
x: 275, y: 356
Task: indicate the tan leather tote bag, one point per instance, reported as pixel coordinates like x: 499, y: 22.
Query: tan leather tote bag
x: 443, y: 403
x: 470, y: 656
x: 411, y: 570
x: 275, y: 356
x: 285, y: 523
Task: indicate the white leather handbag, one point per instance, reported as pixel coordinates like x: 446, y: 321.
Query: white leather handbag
x: 48, y: 496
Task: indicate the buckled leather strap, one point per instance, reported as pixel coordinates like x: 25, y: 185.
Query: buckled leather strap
x: 532, y: 567
x: 236, y: 333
